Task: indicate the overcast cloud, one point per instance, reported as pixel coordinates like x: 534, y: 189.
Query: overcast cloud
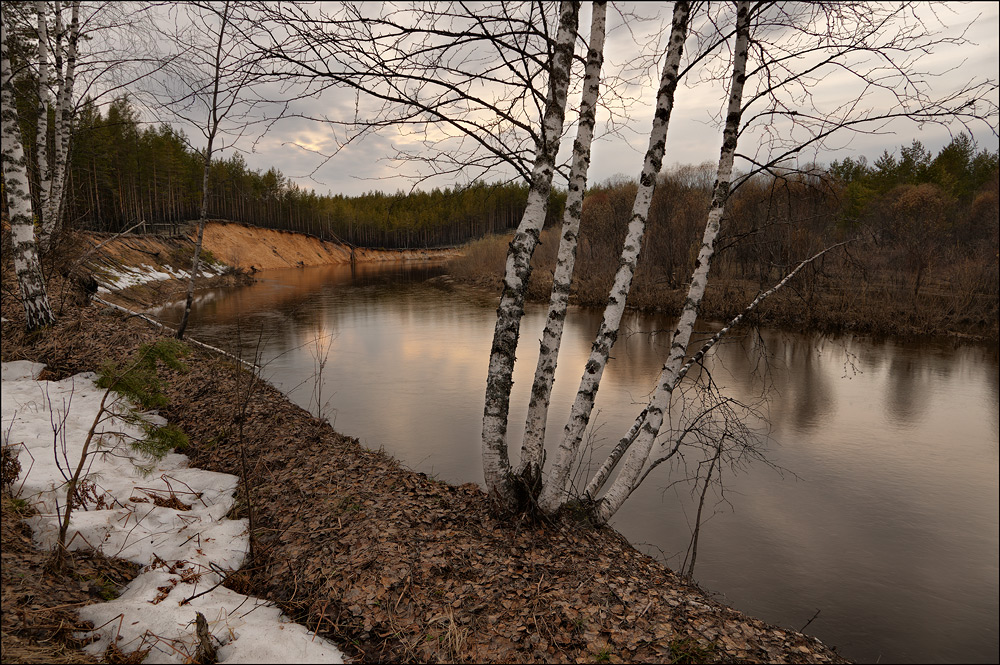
x: 294, y: 145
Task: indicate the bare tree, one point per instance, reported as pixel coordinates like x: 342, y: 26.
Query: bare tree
x: 464, y: 87
x: 104, y: 49
x: 52, y: 184
x: 209, y: 87
x: 426, y: 69
x: 556, y: 487
x: 22, y: 219
x: 532, y: 447
x: 496, y: 464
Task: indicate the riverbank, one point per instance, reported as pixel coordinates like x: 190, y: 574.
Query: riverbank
x: 139, y: 271
x: 398, y: 566
x: 836, y: 299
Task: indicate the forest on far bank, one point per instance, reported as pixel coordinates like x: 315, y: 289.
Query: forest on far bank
x: 923, y: 256
x: 926, y: 224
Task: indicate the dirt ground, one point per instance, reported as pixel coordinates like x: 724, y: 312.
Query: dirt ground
x: 40, y: 607
x: 387, y: 562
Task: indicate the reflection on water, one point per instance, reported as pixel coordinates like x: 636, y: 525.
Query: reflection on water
x: 886, y: 519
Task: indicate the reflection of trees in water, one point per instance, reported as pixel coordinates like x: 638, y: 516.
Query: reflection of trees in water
x: 288, y: 309
x: 914, y: 370
x: 813, y: 398
x: 789, y: 369
x: 641, y: 348
x: 906, y: 394
x: 992, y: 381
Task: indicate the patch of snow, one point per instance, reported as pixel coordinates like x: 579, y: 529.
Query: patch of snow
x: 20, y: 369
x: 123, y: 278
x: 184, y: 552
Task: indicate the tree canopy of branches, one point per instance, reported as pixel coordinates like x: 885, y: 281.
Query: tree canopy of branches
x: 773, y: 60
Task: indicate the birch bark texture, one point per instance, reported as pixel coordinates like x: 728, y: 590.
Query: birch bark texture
x: 638, y: 454
x: 532, y: 446
x: 42, y: 112
x: 52, y: 165
x: 496, y: 462
x: 27, y: 267
x: 556, y: 489
x: 63, y: 118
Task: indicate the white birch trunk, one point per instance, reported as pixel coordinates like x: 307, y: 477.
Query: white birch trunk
x: 496, y: 464
x: 556, y: 489
x: 44, y: 102
x: 638, y: 454
x: 52, y: 217
x: 532, y: 446
x: 22, y: 223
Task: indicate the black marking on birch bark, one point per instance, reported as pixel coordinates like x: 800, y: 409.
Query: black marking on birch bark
x: 560, y: 288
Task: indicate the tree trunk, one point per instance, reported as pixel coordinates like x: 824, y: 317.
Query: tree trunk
x: 26, y: 265
x: 556, y: 488
x: 631, y: 473
x: 213, y: 128
x: 532, y: 447
x: 53, y: 212
x: 496, y: 464
x: 42, y: 115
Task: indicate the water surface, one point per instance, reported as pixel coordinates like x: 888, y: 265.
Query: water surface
x: 884, y: 518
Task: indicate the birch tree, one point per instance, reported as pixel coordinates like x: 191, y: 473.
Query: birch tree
x: 42, y: 114
x: 632, y: 468
x: 532, y: 447
x: 554, y: 491
x: 53, y: 187
x: 31, y: 283
x: 119, y: 53
x: 821, y: 37
x: 810, y: 39
x: 496, y: 463
x: 426, y: 67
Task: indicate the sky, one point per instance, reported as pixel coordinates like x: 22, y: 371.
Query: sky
x: 293, y: 145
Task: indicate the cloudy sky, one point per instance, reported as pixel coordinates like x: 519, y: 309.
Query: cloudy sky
x: 695, y: 130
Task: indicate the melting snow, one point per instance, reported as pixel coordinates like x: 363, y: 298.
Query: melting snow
x: 110, y: 279
x: 185, y: 552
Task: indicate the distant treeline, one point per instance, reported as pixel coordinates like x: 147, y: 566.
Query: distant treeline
x: 123, y: 173
x: 924, y: 257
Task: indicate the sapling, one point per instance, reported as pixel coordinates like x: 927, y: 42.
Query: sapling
x: 134, y: 382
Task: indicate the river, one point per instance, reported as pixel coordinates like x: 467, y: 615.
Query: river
x: 883, y: 514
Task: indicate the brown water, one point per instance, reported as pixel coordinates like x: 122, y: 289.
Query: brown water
x: 886, y: 519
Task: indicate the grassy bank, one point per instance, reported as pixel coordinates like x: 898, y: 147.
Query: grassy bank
x: 394, y: 565
x: 850, y: 291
